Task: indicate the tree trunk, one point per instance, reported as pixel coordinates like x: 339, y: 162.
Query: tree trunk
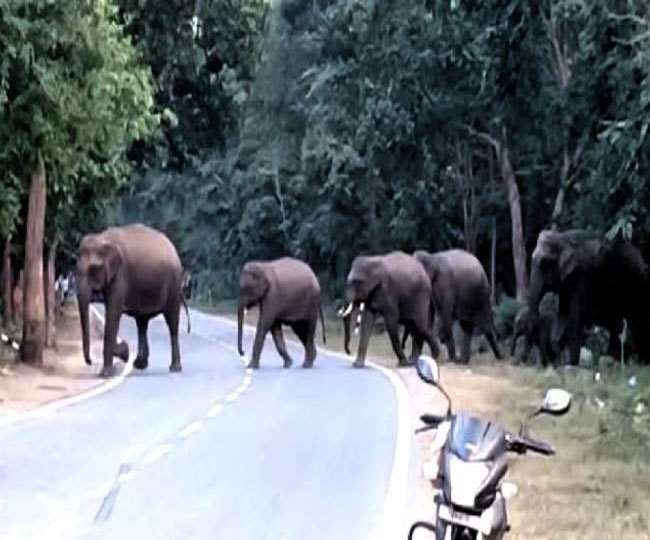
x: 50, y: 299
x: 34, y: 327
x: 17, y: 298
x: 518, y: 244
x: 7, y: 283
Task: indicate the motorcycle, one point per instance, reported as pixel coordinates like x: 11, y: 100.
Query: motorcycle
x: 473, y: 464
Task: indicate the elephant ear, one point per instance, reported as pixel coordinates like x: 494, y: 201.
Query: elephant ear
x: 113, y: 260
x: 567, y: 263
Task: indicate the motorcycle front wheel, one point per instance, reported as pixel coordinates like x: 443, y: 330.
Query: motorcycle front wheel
x: 447, y: 531
x: 421, y: 525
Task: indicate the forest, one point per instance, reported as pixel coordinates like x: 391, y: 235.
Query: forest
x: 321, y: 129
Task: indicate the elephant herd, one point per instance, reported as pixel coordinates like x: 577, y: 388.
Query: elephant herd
x: 137, y: 271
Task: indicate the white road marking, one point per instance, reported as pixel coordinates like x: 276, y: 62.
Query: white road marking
x: 233, y: 396
x: 215, y: 410
x: 249, y: 371
x: 155, y: 454
x: 126, y: 477
x: 71, y: 400
x: 190, y: 429
x: 101, y: 491
x: 133, y: 453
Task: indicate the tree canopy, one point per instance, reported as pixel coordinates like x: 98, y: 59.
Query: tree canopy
x: 330, y: 128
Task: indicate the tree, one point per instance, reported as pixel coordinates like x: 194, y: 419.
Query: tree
x: 74, y: 96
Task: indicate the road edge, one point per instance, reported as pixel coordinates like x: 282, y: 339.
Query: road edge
x: 58, y: 404
x: 396, y: 493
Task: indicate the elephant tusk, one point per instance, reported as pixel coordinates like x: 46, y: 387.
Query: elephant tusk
x: 362, y: 307
x: 345, y: 312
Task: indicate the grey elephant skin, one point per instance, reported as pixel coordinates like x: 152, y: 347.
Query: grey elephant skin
x: 537, y: 332
x: 461, y: 292
x: 396, y: 287
x: 137, y: 271
x: 598, y: 282
x: 287, y: 293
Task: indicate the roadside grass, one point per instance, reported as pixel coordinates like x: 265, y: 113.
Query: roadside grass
x: 598, y: 483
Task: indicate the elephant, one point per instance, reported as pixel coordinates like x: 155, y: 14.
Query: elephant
x: 538, y: 332
x: 137, y: 271
x: 461, y: 292
x: 396, y: 287
x: 598, y: 281
x: 287, y: 293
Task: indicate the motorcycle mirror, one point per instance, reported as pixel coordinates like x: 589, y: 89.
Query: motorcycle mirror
x: 427, y: 369
x: 556, y: 401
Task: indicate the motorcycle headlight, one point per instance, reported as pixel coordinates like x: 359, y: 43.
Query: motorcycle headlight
x: 463, y: 480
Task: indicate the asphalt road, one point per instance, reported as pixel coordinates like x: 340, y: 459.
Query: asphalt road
x: 216, y: 452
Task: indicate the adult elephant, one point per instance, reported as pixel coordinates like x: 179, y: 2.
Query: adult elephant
x: 287, y: 293
x: 461, y: 292
x: 598, y: 282
x: 137, y: 271
x: 396, y: 287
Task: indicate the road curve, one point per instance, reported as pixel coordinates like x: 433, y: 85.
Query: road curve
x: 214, y: 452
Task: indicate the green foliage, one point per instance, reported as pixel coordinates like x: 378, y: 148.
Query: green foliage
x: 75, y: 92
x: 504, y: 316
x: 342, y: 127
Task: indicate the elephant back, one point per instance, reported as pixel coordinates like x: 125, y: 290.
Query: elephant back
x: 145, y: 246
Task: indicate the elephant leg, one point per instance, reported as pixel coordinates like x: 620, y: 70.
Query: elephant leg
x: 574, y: 333
x: 112, y: 325
x: 614, y: 345
x: 306, y: 332
x: 367, y: 322
x: 416, y: 347
x: 392, y: 327
x: 278, y: 339
x: 260, y: 335
x: 447, y: 335
x: 488, y: 331
x: 142, y: 360
x: 468, y: 330
x: 172, y: 317
x: 528, y: 347
x: 420, y: 334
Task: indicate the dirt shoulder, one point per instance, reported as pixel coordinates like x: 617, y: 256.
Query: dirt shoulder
x: 63, y: 374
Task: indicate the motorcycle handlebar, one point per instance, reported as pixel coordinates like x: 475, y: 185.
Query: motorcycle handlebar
x: 520, y: 444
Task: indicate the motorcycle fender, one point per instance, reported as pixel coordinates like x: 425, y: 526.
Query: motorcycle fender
x: 497, y: 515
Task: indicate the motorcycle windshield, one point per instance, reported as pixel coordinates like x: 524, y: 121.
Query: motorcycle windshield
x: 474, y: 439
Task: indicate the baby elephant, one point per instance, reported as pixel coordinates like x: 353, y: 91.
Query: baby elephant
x: 538, y: 332
x: 287, y: 292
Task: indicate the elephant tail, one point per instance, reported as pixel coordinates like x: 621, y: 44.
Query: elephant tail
x: 187, y: 312
x: 322, y: 323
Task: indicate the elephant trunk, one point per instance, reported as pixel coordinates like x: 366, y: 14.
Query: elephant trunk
x: 346, y: 332
x: 240, y: 328
x: 83, y: 300
x: 348, y: 314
